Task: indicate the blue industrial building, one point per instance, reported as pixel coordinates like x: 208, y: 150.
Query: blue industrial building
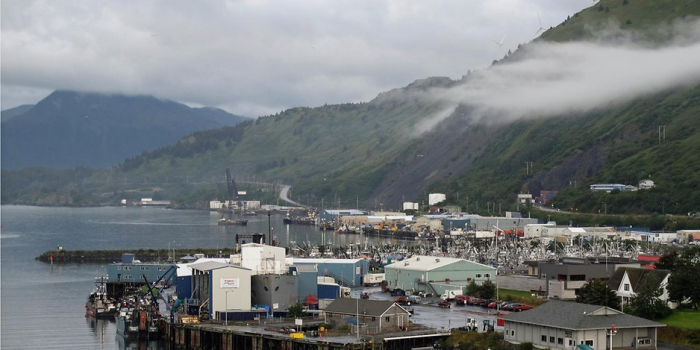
x: 130, y: 270
x: 307, y: 277
x: 347, y: 272
x: 330, y: 215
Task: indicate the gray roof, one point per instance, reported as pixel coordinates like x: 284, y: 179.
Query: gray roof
x: 212, y: 265
x: 578, y: 316
x: 350, y: 306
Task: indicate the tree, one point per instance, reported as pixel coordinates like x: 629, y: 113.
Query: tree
x: 472, y: 288
x: 683, y: 284
x: 668, y: 261
x: 296, y: 310
x: 597, y: 292
x: 647, y: 302
x: 487, y: 290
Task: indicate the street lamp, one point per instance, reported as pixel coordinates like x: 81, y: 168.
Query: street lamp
x: 269, y: 234
x: 226, y: 311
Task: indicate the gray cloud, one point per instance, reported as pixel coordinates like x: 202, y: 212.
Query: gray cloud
x: 560, y: 78
x: 255, y: 57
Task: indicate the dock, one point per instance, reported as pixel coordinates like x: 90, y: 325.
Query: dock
x: 258, y: 337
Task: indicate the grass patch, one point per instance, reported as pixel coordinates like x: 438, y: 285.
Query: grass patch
x: 686, y: 319
x: 515, y: 293
x: 520, y: 296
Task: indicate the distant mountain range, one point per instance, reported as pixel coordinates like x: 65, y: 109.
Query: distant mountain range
x: 68, y: 129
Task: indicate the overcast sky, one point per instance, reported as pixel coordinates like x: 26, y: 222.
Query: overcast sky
x: 256, y: 57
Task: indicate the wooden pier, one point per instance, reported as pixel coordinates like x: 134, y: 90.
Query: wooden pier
x: 221, y: 337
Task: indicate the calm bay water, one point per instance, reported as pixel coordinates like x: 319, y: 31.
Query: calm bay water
x: 42, y: 305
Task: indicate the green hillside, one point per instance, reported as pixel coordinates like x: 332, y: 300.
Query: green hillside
x: 637, y: 19
x: 372, y: 152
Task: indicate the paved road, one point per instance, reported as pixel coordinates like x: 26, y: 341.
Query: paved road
x: 284, y: 195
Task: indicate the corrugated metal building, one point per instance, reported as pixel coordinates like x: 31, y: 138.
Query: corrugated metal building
x: 307, y: 281
x: 347, y: 272
x: 130, y: 270
x: 222, y: 286
x: 279, y: 292
x: 432, y: 274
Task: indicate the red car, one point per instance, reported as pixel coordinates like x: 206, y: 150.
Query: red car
x: 521, y: 307
x: 444, y: 303
x: 461, y: 300
x: 402, y: 300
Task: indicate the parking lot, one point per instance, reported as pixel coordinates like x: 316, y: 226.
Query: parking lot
x: 427, y: 313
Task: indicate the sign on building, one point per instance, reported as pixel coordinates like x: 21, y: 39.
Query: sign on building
x: 230, y: 282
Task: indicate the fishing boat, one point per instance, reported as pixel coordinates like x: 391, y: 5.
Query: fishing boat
x: 98, y: 304
x: 137, y: 321
x: 230, y: 222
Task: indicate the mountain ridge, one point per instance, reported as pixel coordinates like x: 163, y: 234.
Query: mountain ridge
x: 69, y: 128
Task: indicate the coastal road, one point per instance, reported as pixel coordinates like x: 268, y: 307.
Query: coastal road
x: 284, y: 195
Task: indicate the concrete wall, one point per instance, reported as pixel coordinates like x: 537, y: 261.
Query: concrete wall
x: 524, y: 283
x: 262, y: 259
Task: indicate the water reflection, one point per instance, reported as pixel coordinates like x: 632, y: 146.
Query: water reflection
x: 99, y: 327
x: 123, y: 343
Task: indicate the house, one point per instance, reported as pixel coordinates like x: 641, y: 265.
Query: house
x: 525, y: 198
x: 626, y: 281
x: 563, y: 325
x: 646, y: 184
x: 376, y: 314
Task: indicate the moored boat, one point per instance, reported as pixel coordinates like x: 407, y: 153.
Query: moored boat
x: 98, y: 304
x: 229, y: 222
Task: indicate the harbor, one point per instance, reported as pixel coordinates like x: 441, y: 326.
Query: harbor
x: 154, y: 228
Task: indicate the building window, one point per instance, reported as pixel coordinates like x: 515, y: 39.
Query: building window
x: 571, y: 343
x: 388, y: 319
x: 560, y: 341
x: 589, y: 343
x: 119, y: 268
x: 487, y: 275
x: 478, y: 275
x: 577, y: 278
x: 544, y: 338
x: 551, y: 339
x: 512, y: 332
x: 627, y: 287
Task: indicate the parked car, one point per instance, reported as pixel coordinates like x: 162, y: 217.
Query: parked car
x: 509, y: 306
x: 483, y: 302
x: 444, y: 303
x: 397, y: 292
x: 474, y: 301
x: 461, y: 300
x: 522, y: 307
x: 413, y: 299
x: 493, y: 304
x: 401, y: 300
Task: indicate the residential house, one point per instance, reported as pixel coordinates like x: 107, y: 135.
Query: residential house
x: 626, y: 281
